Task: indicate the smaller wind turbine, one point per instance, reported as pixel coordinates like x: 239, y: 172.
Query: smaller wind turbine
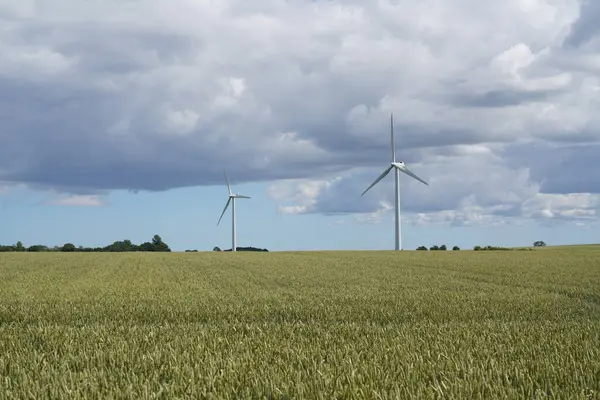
x: 397, y: 167
x: 231, y: 200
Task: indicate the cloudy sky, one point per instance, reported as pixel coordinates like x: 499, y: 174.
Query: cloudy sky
x: 119, y: 117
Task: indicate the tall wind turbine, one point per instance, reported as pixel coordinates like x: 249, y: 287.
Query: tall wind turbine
x: 397, y: 167
x: 231, y: 200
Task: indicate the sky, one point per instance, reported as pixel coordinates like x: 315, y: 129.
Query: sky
x: 120, y: 117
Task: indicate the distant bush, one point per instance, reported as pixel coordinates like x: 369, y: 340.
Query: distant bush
x: 479, y: 248
x: 247, y: 249
x: 456, y: 248
x: 539, y: 243
x: 438, y: 248
x: 422, y: 248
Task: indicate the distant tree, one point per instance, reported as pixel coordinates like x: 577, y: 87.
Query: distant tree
x: 37, y: 248
x: 216, y: 248
x: 159, y: 245
x: 434, y: 248
x: 539, y: 243
x: 443, y: 247
x: 19, y: 246
x: 477, y: 248
x: 250, y: 248
x: 456, y: 248
x: 146, y: 246
x: 422, y: 248
x: 120, y: 246
x: 68, y: 247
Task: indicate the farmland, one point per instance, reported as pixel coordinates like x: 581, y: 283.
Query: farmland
x: 516, y: 324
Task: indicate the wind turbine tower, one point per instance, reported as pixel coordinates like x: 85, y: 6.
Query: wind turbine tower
x: 231, y: 200
x: 397, y: 167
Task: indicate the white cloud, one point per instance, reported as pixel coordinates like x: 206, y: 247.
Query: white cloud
x: 376, y: 216
x: 78, y: 200
x: 6, y: 188
x: 300, y: 191
x: 469, y: 185
x: 579, y: 206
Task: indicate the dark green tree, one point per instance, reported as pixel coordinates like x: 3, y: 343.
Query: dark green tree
x: 159, y: 245
x: 37, y: 248
x: 146, y: 246
x: 68, y: 247
x: 120, y: 246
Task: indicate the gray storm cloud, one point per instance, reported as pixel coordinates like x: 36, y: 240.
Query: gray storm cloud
x: 144, y: 96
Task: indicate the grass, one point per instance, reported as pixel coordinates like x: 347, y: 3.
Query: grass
x: 320, y: 325
x: 595, y: 247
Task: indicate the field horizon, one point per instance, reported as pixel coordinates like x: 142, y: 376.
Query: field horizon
x: 547, y: 247
x: 321, y: 324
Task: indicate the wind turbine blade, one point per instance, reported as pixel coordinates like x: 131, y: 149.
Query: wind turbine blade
x: 387, y: 171
x: 227, y: 180
x: 408, y: 172
x: 225, y: 209
x: 240, y: 196
x: 392, y: 133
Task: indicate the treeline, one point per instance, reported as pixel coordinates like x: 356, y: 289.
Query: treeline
x: 436, y: 248
x: 217, y: 248
x: 487, y: 248
x: 242, y: 249
x: 157, y: 244
x: 476, y: 248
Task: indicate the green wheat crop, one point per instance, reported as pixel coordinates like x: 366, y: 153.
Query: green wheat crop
x: 369, y: 325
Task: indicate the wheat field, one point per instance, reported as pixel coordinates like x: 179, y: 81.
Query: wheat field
x: 318, y: 325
